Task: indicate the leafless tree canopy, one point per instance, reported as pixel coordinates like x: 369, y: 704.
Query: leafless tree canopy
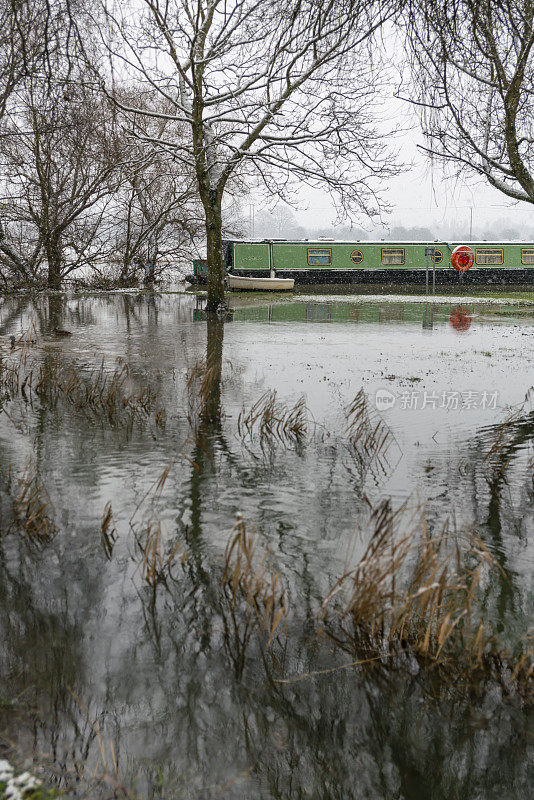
x: 62, y: 164
x: 474, y: 75
x: 123, y: 125
x: 156, y: 213
x: 21, y: 51
x: 266, y: 85
x: 269, y: 91
x: 77, y: 191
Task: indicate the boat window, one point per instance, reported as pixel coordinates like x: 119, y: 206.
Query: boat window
x: 393, y: 255
x: 489, y: 256
x: 438, y: 256
x: 527, y: 255
x: 320, y: 256
x: 356, y: 256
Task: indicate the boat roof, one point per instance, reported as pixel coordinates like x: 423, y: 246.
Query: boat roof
x: 400, y: 242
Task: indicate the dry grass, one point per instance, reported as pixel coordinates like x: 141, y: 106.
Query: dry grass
x: 252, y: 586
x: 32, y: 508
x: 369, y: 437
x: 415, y: 594
x: 269, y: 420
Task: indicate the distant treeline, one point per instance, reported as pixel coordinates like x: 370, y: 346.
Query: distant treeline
x: 282, y: 222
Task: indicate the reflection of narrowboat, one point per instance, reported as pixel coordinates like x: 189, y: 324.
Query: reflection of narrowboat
x: 426, y: 314
x: 377, y: 262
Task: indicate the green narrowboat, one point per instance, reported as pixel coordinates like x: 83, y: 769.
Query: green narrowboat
x: 325, y: 261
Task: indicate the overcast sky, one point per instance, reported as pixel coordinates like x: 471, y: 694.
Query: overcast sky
x: 423, y: 196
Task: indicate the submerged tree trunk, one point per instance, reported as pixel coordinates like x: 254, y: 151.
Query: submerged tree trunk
x: 55, y: 312
x: 212, y: 207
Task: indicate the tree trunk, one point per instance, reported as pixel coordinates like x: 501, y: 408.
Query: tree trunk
x: 212, y: 208
x: 124, y: 276
x: 55, y: 312
x: 53, y: 256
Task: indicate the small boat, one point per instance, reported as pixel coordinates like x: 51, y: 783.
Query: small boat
x: 243, y: 284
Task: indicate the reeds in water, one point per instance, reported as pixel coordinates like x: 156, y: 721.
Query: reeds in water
x: 13, y: 373
x: 156, y: 558
x: 32, y: 508
x: 505, y: 440
x: 156, y: 562
x: 414, y: 593
x: 98, y: 392
x: 269, y: 420
x: 108, y: 531
x: 26, y: 339
x: 369, y: 437
x: 204, y: 393
x: 252, y: 586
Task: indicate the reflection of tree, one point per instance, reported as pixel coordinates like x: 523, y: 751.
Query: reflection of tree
x: 41, y: 655
x: 341, y: 734
x: 512, y: 438
x: 14, y: 311
x: 55, y: 311
x: 210, y: 412
x: 208, y: 439
x: 482, y: 478
x: 49, y: 312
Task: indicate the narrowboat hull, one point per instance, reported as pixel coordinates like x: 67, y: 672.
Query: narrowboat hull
x: 483, y: 276
x: 391, y: 263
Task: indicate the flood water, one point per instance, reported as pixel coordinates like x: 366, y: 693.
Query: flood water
x: 154, y: 686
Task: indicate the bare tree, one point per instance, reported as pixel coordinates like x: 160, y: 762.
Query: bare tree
x: 156, y: 212
x: 22, y: 25
x: 474, y: 78
x: 39, y: 113
x: 269, y: 91
x: 74, y: 188
x: 61, y: 163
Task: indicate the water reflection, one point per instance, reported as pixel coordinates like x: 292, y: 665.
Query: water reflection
x: 162, y: 676
x: 460, y: 319
x: 428, y: 318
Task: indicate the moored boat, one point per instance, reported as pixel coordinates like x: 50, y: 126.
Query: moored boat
x: 241, y: 283
x: 383, y: 263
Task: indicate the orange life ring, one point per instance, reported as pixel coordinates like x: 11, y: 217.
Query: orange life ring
x: 462, y: 258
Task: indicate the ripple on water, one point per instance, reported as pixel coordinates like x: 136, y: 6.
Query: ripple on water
x: 183, y: 700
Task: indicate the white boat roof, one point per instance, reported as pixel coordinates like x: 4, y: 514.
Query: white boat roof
x: 400, y: 242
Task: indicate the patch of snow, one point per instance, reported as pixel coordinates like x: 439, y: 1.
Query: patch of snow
x: 410, y: 298
x: 17, y: 787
